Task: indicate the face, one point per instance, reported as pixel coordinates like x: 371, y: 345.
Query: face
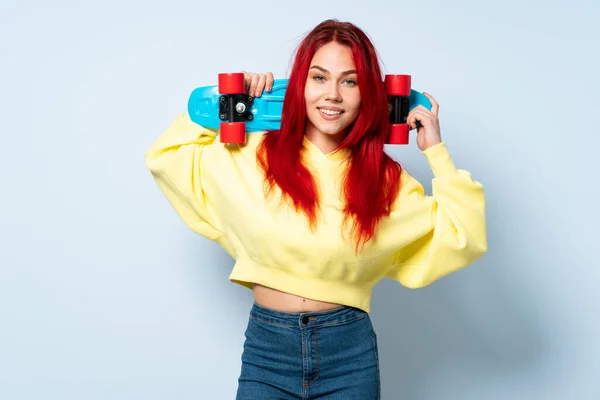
x: 331, y: 92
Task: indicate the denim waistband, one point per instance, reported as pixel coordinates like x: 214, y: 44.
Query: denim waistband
x: 335, y: 316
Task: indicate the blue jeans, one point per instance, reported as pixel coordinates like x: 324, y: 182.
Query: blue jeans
x: 328, y: 355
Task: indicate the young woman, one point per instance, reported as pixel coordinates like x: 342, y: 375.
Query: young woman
x: 316, y: 213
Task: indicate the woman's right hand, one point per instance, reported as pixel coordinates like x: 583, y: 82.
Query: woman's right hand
x: 256, y: 83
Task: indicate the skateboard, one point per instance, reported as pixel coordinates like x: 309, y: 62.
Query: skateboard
x: 229, y: 108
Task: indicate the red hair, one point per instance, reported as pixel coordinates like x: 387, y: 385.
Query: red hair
x: 372, y: 178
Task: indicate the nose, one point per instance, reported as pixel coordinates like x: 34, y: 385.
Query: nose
x: 333, y: 92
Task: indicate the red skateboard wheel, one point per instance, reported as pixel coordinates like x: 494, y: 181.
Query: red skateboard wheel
x: 398, y: 134
x: 397, y: 85
x: 233, y: 132
x: 231, y: 83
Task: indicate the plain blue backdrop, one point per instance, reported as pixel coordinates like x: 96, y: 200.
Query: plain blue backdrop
x: 105, y: 294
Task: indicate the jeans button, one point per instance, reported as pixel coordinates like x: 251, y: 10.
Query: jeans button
x: 305, y: 319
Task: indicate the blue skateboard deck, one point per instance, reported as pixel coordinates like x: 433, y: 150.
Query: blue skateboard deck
x: 205, y: 107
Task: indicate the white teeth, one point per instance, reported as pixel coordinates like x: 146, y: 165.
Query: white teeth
x: 330, y: 112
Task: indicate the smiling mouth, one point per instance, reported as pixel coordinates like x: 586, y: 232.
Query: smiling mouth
x: 330, y: 112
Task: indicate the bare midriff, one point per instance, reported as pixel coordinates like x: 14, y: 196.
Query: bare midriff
x: 287, y: 302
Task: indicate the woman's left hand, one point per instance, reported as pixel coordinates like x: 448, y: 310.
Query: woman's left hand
x: 428, y: 134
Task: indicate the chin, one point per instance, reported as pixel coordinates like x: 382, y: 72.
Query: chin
x: 330, y: 130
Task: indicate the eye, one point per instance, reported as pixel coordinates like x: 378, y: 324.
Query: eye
x: 350, y: 82
x: 319, y: 78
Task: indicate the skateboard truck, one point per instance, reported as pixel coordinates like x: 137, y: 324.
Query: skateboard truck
x: 398, y: 91
x: 234, y: 107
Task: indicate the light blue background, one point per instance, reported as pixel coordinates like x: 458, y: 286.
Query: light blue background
x: 105, y: 294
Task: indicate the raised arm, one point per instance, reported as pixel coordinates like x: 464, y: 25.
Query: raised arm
x: 450, y: 224
x: 175, y: 161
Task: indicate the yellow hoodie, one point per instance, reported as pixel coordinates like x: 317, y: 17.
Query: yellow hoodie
x: 217, y: 190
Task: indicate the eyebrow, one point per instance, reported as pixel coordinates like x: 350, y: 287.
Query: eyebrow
x: 351, y: 71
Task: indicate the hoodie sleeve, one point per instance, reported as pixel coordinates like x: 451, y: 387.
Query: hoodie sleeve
x: 175, y: 161
x: 452, y: 223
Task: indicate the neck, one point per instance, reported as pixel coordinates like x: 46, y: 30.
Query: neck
x: 325, y: 143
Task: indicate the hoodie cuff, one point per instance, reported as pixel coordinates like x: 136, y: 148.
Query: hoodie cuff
x: 439, y: 160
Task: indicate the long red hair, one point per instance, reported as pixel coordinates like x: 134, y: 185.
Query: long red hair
x: 372, y: 178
